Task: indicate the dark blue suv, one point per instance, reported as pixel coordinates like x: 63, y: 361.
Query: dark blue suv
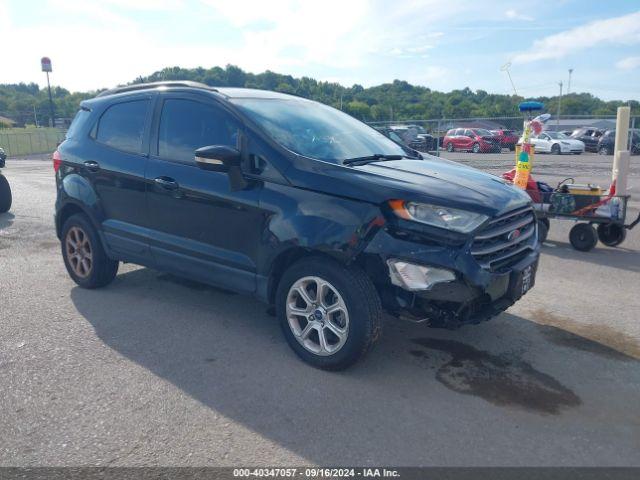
x: 294, y: 202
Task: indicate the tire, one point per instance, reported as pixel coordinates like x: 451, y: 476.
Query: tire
x: 603, y: 151
x: 583, y: 237
x: 512, y: 148
x: 450, y: 147
x: 543, y: 230
x: 5, y: 195
x: 88, y: 266
x: 611, y: 234
x: 360, y: 314
x: 475, y: 148
x: 555, y: 149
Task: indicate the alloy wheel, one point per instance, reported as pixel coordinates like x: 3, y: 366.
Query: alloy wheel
x: 79, y: 252
x: 317, y: 316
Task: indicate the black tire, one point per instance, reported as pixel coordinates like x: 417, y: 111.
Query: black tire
x: 102, y: 269
x: 450, y: 147
x: 543, y: 230
x: 555, y: 149
x: 362, y: 305
x: 611, y: 234
x: 475, y: 148
x: 583, y: 237
x: 603, y: 151
x: 5, y: 195
x: 512, y: 148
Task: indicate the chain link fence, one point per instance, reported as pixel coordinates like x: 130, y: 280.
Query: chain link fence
x: 30, y: 141
x: 428, y: 134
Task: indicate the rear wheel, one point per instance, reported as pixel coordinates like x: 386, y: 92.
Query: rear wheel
x: 450, y: 147
x: 5, y: 195
x: 583, y: 237
x: 603, y: 151
x: 555, y: 149
x: 476, y: 148
x: 611, y: 234
x: 330, y: 314
x: 83, y: 254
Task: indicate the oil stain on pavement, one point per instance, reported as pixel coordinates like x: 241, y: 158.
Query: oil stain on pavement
x: 497, y: 378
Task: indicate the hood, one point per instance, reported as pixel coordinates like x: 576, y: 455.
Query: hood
x: 432, y: 180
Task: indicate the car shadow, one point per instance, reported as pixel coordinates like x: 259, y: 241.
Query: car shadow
x: 225, y: 351
x: 618, y: 257
x: 6, y: 219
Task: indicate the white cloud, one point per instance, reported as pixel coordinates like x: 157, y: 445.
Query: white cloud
x: 515, y: 15
x: 623, y: 30
x: 629, y: 63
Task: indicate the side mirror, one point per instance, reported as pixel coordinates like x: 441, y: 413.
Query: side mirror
x: 221, y: 158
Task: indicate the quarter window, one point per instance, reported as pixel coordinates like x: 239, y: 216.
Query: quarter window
x: 186, y: 125
x: 122, y: 126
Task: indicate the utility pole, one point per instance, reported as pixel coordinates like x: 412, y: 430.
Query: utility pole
x: 569, y: 84
x: 35, y: 116
x: 559, y: 106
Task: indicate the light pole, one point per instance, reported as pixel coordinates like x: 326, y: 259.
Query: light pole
x: 45, y: 63
x: 569, y: 84
x: 559, y: 106
x: 505, y: 68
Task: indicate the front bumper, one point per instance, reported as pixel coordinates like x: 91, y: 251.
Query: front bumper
x: 476, y: 295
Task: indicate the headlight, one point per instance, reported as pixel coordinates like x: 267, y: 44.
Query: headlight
x: 443, y: 217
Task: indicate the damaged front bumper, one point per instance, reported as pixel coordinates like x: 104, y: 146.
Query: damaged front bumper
x: 470, y: 294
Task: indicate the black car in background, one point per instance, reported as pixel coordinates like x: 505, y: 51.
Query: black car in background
x: 414, y: 136
x: 294, y: 202
x: 589, y: 136
x: 607, y: 140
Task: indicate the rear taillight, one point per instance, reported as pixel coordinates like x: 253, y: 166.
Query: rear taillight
x: 57, y: 160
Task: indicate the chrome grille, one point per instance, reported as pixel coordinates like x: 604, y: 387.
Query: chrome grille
x: 496, y: 247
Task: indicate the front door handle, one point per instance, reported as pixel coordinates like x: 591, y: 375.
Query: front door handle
x: 92, y: 166
x: 167, y: 183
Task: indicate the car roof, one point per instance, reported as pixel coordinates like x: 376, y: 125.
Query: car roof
x: 228, y: 92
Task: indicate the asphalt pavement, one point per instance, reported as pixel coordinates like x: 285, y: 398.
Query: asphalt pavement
x: 158, y: 370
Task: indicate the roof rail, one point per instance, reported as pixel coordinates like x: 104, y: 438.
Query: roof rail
x: 144, y: 86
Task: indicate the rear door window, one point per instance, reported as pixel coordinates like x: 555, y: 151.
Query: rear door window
x: 122, y: 126
x: 186, y: 125
x: 78, y: 121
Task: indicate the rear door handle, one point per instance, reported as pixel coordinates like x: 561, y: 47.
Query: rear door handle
x: 167, y: 183
x: 92, y: 166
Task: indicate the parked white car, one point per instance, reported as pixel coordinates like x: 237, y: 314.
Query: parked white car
x: 556, y: 143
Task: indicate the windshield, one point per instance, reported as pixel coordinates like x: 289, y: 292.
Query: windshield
x: 556, y: 135
x: 482, y: 132
x: 315, y: 130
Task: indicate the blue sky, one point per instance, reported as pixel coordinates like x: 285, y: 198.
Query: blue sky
x: 442, y: 44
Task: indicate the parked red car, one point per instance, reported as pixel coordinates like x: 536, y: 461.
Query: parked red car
x: 507, y: 138
x: 474, y: 140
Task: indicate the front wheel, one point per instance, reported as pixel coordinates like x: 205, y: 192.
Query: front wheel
x: 450, y: 147
x: 476, y: 148
x: 555, y: 149
x: 603, y: 151
x: 83, y: 254
x: 5, y: 195
x: 330, y: 314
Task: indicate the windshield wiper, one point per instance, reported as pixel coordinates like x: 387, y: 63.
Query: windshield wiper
x: 376, y: 157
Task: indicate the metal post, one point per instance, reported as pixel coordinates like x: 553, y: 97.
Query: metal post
x: 569, y: 85
x: 559, y: 106
x: 438, y: 140
x: 51, y: 120
x: 35, y: 116
x: 633, y: 127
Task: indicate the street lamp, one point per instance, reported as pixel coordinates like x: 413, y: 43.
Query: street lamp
x: 45, y: 63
